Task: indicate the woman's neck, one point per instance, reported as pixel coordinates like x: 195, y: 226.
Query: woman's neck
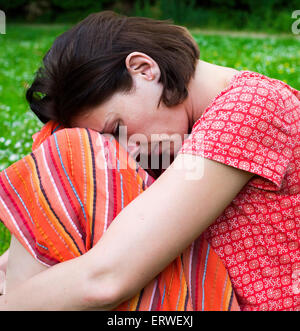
x: 208, y: 82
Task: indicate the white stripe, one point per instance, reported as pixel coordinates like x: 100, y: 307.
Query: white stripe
x: 106, y: 182
x: 57, y: 193
x: 18, y: 195
x: 152, y: 296
x: 17, y: 227
x: 37, y: 192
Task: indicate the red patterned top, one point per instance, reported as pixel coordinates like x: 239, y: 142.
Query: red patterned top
x: 254, y: 125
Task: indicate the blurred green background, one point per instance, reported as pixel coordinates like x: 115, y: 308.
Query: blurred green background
x: 267, y: 15
x: 246, y: 35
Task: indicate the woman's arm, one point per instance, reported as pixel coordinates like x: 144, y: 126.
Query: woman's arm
x: 145, y: 237
x: 21, y: 266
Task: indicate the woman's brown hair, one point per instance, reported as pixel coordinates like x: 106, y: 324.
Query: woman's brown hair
x: 86, y: 65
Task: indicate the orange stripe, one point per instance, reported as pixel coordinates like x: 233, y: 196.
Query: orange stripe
x: 45, y: 237
x: 69, y: 244
x: 89, y: 176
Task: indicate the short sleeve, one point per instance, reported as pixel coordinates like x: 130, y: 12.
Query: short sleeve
x: 250, y: 128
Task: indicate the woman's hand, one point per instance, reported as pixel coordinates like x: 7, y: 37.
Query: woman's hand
x: 2, y: 282
x: 3, y: 266
x: 3, y: 261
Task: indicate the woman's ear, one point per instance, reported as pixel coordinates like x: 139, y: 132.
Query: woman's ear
x: 141, y: 64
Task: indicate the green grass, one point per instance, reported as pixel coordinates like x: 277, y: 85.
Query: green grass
x: 22, y: 49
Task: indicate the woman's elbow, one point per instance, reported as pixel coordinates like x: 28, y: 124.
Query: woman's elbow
x: 104, y: 292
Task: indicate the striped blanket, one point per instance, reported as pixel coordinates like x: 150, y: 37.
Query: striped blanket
x: 59, y: 200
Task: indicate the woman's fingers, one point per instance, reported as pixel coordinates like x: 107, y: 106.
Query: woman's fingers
x: 3, y: 261
x: 2, y: 282
x: 3, y: 265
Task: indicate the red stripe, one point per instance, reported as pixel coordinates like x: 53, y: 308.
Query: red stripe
x: 23, y: 223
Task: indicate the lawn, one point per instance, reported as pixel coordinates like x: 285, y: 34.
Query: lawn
x: 22, y: 49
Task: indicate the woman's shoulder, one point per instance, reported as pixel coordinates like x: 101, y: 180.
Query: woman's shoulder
x: 248, y: 90
x: 262, y: 84
x: 254, y: 83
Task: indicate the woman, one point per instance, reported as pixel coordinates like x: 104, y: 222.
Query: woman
x: 243, y: 189
x: 92, y: 180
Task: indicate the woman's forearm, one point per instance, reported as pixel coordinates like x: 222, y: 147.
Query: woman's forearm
x: 67, y: 286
